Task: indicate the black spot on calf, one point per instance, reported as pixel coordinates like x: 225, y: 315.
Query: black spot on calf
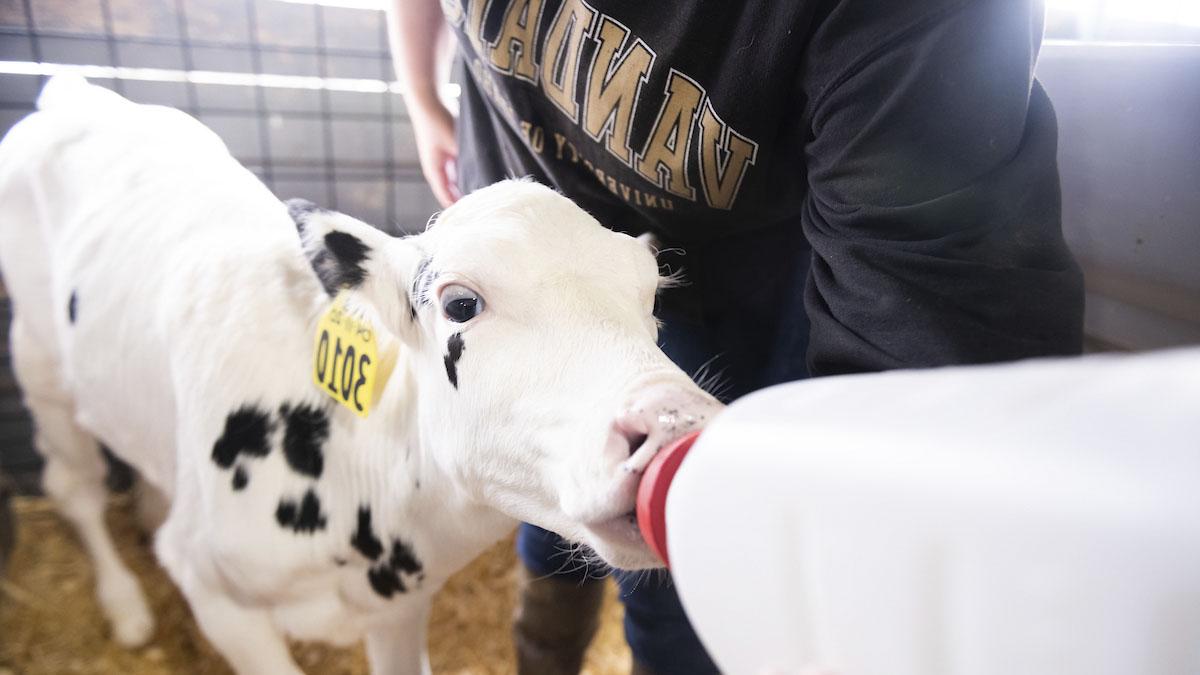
x: 338, y: 257
x: 245, y: 433
x: 72, y: 305
x: 454, y: 350
x: 350, y: 252
x: 403, y: 558
x: 385, y: 581
x: 240, y: 479
x: 385, y: 577
x: 302, y: 518
x: 306, y: 430
x: 285, y: 513
x: 364, y: 539
x: 339, y: 263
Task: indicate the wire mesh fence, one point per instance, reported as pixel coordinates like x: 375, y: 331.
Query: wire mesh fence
x: 301, y: 93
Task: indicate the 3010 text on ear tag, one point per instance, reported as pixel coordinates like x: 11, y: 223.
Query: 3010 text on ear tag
x: 346, y: 363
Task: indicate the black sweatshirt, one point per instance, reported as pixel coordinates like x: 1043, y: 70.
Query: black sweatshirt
x: 873, y: 178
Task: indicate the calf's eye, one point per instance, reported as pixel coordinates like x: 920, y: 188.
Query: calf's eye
x: 461, y: 304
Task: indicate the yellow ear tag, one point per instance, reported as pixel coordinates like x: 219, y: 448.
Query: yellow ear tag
x: 346, y: 362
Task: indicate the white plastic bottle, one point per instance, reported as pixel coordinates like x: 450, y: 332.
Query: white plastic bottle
x: 1040, y: 518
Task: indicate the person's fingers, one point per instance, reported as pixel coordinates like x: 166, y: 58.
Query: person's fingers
x: 450, y: 170
x: 448, y: 160
x: 438, y: 150
x: 442, y: 193
x: 439, y: 179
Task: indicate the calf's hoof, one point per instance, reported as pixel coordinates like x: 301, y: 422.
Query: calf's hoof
x: 127, y: 613
x: 133, y: 630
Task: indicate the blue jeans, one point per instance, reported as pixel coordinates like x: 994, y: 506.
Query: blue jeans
x: 658, y: 631
x: 752, y: 345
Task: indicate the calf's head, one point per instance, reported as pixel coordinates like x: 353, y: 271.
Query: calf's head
x: 540, y: 388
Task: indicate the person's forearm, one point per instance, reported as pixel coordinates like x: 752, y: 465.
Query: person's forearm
x: 934, y: 208
x: 414, y: 29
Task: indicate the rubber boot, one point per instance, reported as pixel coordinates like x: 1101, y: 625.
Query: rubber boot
x: 554, y: 623
x: 8, y: 524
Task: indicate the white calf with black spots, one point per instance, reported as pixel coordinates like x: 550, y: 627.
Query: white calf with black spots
x: 167, y: 304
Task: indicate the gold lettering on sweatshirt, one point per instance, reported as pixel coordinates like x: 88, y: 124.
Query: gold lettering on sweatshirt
x: 687, y: 134
x: 724, y: 156
x: 474, y: 28
x: 614, y: 83
x: 512, y: 52
x: 664, y: 159
x: 560, y: 54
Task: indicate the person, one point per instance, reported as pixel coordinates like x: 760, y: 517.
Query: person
x: 847, y: 185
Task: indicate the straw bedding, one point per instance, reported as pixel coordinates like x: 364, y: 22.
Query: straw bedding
x: 50, y: 623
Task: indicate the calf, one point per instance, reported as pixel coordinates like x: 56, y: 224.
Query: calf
x: 168, y: 305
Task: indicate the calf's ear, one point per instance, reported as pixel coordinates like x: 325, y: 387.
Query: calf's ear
x: 373, y: 266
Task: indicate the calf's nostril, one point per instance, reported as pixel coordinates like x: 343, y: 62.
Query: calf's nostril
x: 636, y: 441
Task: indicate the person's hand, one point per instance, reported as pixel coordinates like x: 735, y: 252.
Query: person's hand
x: 437, y: 149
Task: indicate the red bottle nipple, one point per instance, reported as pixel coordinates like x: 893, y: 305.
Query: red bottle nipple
x: 652, y: 494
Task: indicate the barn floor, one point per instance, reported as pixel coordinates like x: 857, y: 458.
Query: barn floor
x: 50, y: 623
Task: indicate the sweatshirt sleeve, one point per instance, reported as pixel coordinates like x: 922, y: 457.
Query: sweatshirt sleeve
x: 933, y: 207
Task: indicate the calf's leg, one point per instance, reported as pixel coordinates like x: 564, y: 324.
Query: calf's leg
x: 243, y: 634
x: 397, y: 647
x: 74, y: 479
